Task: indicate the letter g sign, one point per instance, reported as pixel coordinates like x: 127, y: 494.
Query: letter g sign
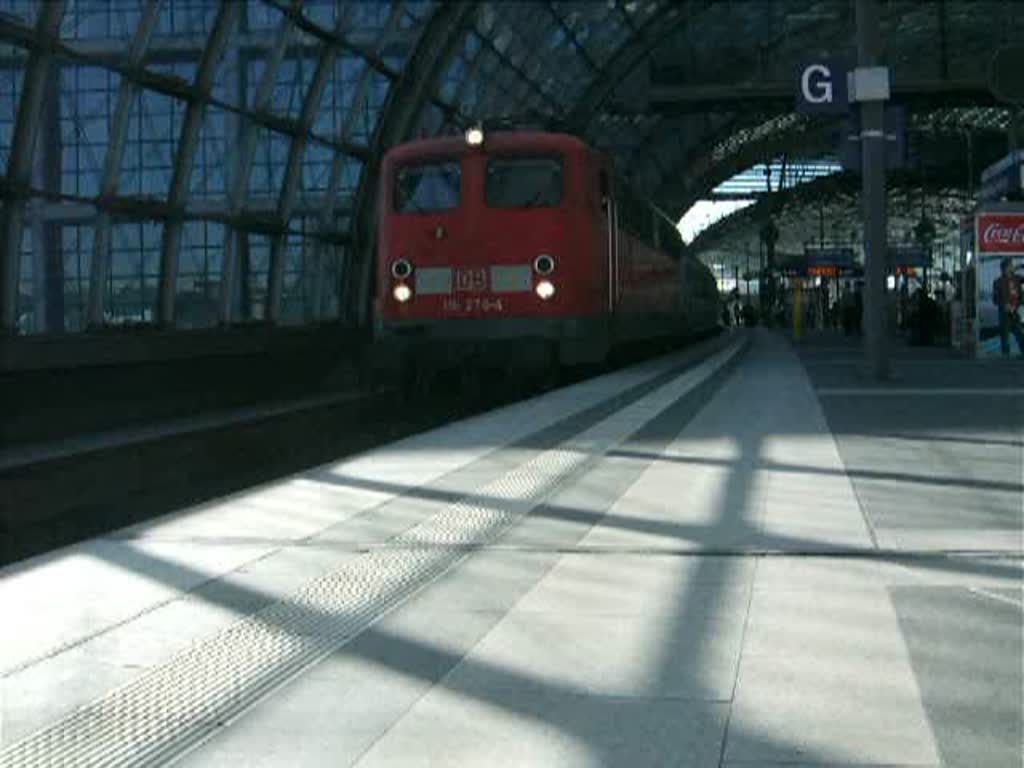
x: 816, y: 83
x: 822, y: 87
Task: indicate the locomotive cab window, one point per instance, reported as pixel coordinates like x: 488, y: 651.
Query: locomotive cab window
x: 524, y: 182
x: 428, y: 187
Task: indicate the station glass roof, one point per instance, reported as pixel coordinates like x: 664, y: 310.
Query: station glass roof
x: 189, y: 163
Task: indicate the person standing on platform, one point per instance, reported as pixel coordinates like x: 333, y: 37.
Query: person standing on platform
x: 1006, y: 296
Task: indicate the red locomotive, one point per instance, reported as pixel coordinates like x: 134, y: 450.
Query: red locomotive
x: 524, y: 247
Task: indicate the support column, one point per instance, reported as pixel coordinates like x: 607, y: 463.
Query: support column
x: 746, y: 275
x: 49, y: 239
x: 769, y: 236
x: 38, y: 253
x: 19, y: 164
x: 876, y: 350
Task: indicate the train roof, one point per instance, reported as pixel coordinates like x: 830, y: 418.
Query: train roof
x: 495, y: 140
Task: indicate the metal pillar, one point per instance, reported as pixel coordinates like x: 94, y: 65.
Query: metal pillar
x: 874, y: 198
x: 746, y: 275
x: 769, y: 236
x: 19, y: 164
x: 47, y: 243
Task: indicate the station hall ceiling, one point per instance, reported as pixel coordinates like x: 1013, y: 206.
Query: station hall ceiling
x: 222, y: 156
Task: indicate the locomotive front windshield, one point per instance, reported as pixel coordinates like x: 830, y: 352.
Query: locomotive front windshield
x: 428, y: 187
x: 524, y: 182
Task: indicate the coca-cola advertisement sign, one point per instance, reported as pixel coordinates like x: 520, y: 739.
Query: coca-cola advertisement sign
x: 1001, y: 233
x: 997, y: 273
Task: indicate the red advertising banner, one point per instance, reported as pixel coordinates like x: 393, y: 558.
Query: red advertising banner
x: 1000, y: 233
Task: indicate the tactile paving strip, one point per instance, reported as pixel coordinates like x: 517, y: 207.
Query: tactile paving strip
x: 181, y: 702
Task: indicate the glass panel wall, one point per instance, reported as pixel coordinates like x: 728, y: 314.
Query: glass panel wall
x: 68, y: 214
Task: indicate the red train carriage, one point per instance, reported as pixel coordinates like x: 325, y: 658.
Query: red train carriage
x: 523, y: 246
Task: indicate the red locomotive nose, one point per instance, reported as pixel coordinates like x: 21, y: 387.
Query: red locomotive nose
x: 529, y: 238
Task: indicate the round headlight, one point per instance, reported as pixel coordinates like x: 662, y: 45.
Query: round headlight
x: 401, y: 269
x: 544, y: 264
x: 402, y: 293
x: 545, y: 289
x: 475, y: 136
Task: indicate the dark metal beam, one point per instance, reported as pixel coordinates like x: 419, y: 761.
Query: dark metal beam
x: 580, y: 50
x: 126, y: 94
x: 347, y: 43
x: 873, y: 196
x: 487, y: 43
x: 699, y: 175
x: 168, y: 85
x: 825, y: 189
x: 293, y: 167
x: 669, y: 18
x: 943, y: 40
x: 699, y: 172
x: 19, y: 164
x: 669, y: 100
x: 188, y: 141
x: 795, y: 208
x: 247, y: 141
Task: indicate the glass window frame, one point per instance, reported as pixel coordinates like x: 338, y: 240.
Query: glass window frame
x: 441, y: 160
x: 503, y: 157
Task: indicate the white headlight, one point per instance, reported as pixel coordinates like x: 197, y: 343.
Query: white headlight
x: 475, y: 136
x: 545, y: 289
x: 402, y: 293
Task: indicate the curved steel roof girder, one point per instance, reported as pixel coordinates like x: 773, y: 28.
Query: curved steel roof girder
x: 698, y: 172
x: 405, y: 102
x: 19, y: 165
x: 227, y: 17
x: 659, y: 27
x: 239, y: 193
x: 293, y: 166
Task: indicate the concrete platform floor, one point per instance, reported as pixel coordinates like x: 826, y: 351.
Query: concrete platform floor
x: 756, y: 561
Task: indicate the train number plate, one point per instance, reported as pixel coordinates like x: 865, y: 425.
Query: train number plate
x: 471, y: 305
x: 471, y: 279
